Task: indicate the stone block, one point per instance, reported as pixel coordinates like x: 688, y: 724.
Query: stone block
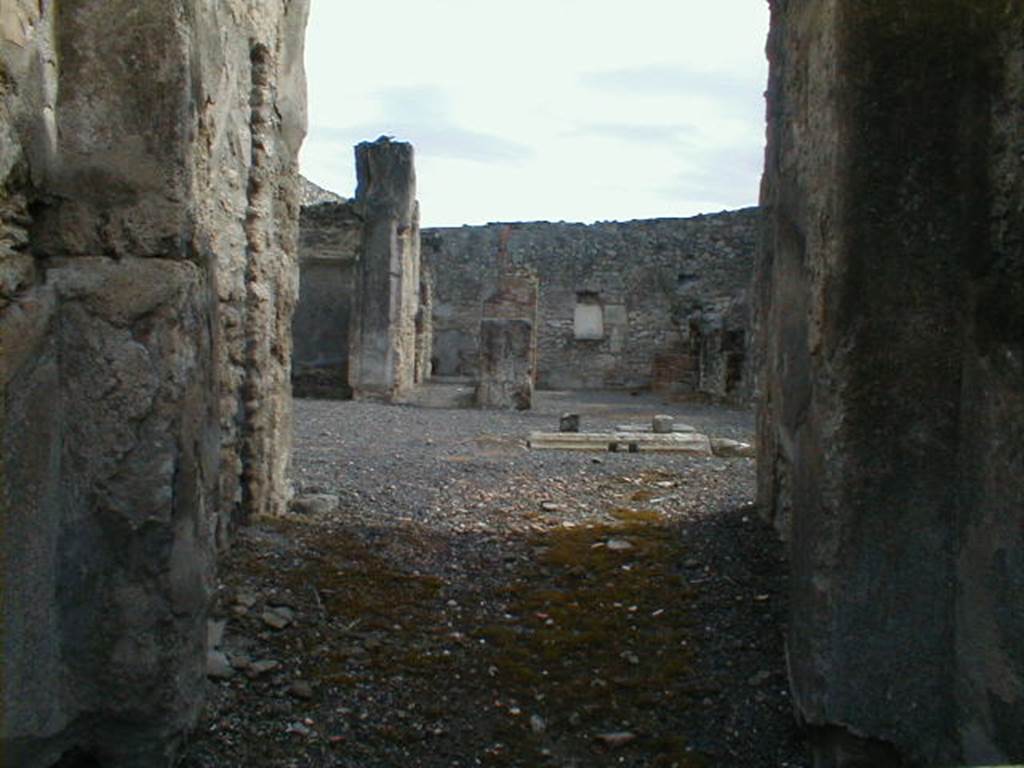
x: 689, y: 443
x: 663, y: 425
x: 506, y: 373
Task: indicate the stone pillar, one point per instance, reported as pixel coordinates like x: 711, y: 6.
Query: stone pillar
x: 508, y: 344
x: 891, y: 381
x: 127, y: 132
x: 382, y: 341
x: 425, y: 327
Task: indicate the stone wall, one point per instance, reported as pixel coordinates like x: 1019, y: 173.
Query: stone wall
x: 656, y: 287
x: 330, y: 236
x: 891, y: 377
x: 147, y: 226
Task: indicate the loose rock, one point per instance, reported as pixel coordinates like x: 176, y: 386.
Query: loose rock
x: 616, y: 739
x: 726, y: 448
x: 314, y: 504
x: 276, y: 618
x: 301, y: 689
x: 217, y: 666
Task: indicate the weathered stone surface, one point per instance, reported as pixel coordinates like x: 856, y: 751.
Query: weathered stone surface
x: 425, y: 328
x: 506, y: 377
x: 330, y: 236
x: 663, y: 424
x: 508, y: 343
x: 691, y: 443
x: 676, y: 427
x: 146, y: 283
x: 718, y: 342
x: 669, y: 297
x: 110, y: 453
x: 658, y: 287
x: 251, y: 122
x: 218, y: 667
x: 311, y: 194
x: 121, y: 185
x: 726, y: 448
x: 382, y: 338
x: 891, y: 343
x: 569, y: 422
x: 316, y: 504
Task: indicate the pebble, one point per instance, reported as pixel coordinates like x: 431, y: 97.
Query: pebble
x: 618, y: 545
x: 240, y: 661
x: 301, y: 689
x: 217, y: 666
x: 300, y: 728
x: 616, y: 739
x: 263, y: 666
x: 537, y: 724
x: 276, y: 618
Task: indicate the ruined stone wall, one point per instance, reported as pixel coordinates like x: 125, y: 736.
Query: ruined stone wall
x: 891, y: 374
x: 146, y: 230
x: 652, y: 282
x: 330, y: 238
x: 252, y: 120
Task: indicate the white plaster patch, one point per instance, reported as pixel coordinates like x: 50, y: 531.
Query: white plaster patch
x: 588, y: 321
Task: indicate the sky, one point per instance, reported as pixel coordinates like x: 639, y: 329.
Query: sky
x: 544, y: 110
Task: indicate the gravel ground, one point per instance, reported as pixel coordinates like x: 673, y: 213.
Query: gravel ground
x: 443, y: 596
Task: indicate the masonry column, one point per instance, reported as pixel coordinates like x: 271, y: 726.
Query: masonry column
x: 508, y: 344
x: 382, y: 341
x: 891, y: 377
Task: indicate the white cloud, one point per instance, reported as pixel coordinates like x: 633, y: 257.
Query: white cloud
x: 553, y: 109
x: 644, y: 133
x: 422, y: 115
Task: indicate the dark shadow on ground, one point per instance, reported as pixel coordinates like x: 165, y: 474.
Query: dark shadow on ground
x: 527, y: 611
